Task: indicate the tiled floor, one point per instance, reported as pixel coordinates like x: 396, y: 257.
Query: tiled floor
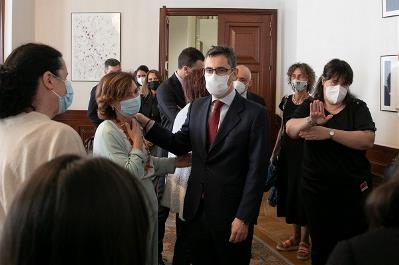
x: 273, y: 229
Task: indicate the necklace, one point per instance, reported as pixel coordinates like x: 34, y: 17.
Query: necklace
x: 299, y: 101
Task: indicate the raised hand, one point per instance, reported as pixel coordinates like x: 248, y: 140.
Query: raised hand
x: 317, y: 114
x: 135, y: 134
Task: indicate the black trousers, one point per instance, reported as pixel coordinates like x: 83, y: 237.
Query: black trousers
x: 333, y: 216
x: 209, y: 244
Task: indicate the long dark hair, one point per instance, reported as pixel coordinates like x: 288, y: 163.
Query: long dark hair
x: 194, y: 85
x: 334, y: 68
x: 20, y: 74
x: 77, y: 211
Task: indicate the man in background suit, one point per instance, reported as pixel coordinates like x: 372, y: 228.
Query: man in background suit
x: 111, y: 65
x: 171, y: 100
x: 226, y: 134
x: 244, y: 82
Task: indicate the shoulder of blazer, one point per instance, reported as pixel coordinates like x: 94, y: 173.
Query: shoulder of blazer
x: 256, y: 98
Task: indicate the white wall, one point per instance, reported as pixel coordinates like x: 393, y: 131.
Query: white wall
x: 355, y: 32
x: 178, y: 40
x: 19, y: 24
x: 311, y: 31
x: 140, y: 30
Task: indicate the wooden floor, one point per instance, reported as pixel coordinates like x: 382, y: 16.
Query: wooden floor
x: 272, y: 229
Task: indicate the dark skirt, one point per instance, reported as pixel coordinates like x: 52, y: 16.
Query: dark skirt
x: 289, y: 175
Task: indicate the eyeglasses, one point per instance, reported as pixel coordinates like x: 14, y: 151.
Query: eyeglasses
x: 59, y: 78
x: 221, y: 71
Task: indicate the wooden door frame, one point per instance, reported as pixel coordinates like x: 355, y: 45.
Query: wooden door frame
x: 2, y: 19
x: 165, y: 12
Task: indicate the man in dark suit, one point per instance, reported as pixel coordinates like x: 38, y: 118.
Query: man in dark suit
x: 226, y: 135
x: 242, y: 84
x: 171, y: 100
x: 111, y: 65
x: 170, y: 93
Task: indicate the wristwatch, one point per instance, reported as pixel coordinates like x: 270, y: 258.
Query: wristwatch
x: 331, y: 133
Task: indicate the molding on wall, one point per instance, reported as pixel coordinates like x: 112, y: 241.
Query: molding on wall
x: 79, y: 121
x: 379, y: 156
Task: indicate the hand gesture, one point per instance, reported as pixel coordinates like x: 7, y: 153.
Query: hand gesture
x: 239, y: 231
x: 135, y: 133
x: 184, y: 160
x: 317, y: 113
x: 315, y: 133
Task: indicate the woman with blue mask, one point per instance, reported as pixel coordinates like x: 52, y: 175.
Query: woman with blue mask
x: 120, y: 139
x: 32, y: 92
x: 287, y: 155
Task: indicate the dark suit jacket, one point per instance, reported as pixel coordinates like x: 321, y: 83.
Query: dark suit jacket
x: 255, y: 98
x: 230, y: 173
x: 92, y: 108
x: 372, y: 248
x: 171, y: 100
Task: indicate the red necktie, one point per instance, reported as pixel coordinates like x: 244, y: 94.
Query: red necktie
x: 214, y: 121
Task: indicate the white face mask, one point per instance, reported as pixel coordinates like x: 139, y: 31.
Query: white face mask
x: 239, y: 86
x: 217, y: 85
x: 335, y: 94
x: 298, y: 85
x: 140, y: 80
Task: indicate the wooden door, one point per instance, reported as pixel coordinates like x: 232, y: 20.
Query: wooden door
x: 253, y: 38
x: 253, y: 35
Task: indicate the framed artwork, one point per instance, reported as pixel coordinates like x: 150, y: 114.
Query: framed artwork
x: 389, y: 84
x: 390, y: 8
x: 96, y: 37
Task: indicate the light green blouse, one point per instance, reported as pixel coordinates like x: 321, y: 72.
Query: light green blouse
x: 112, y: 143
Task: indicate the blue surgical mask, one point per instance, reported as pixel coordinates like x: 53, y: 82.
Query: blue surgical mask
x: 130, y: 107
x: 64, y: 102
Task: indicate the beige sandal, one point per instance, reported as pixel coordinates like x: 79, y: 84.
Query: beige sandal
x: 303, y: 252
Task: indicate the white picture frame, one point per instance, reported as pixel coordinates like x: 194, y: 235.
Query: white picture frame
x: 390, y: 8
x: 96, y: 37
x: 389, y: 83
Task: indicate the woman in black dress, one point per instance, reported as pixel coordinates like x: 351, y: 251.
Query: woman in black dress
x: 338, y: 129
x: 301, y: 77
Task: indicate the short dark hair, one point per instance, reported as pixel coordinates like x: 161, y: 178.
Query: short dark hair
x: 111, y: 62
x: 77, y: 211
x: 188, y: 57
x: 382, y: 206
x: 225, y: 51
x: 335, y: 68
x: 306, y: 70
x: 20, y: 73
x: 143, y: 68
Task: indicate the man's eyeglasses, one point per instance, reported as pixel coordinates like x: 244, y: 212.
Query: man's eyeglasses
x: 219, y: 71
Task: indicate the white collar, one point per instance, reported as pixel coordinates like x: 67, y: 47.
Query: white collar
x: 228, y: 99
x: 179, y: 78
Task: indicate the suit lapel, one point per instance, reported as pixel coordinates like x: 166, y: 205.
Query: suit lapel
x: 179, y: 91
x: 203, y: 126
x: 231, y: 119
